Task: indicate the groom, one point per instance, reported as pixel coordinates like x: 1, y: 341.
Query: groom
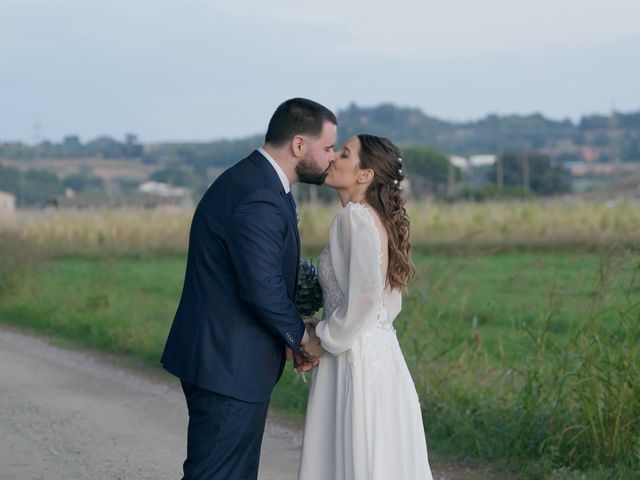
x: 237, y: 316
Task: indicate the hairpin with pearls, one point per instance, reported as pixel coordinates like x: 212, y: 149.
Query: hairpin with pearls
x: 396, y: 182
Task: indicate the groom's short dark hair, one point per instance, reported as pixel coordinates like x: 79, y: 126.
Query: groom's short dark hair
x: 297, y: 116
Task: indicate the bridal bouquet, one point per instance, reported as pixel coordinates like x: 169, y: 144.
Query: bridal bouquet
x: 309, y: 299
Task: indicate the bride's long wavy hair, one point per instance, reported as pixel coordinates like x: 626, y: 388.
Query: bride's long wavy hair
x: 385, y: 196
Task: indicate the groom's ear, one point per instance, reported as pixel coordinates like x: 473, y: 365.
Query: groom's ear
x: 298, y: 146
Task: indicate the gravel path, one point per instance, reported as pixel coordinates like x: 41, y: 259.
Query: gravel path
x: 71, y: 415
x: 68, y: 414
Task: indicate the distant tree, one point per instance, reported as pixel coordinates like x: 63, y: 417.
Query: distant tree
x: 71, y: 141
x: 10, y: 180
x: 532, y: 171
x: 105, y: 147
x: 594, y: 122
x: 174, y: 175
x: 126, y: 184
x: 220, y: 153
x: 15, y: 150
x: 71, y: 147
x: 629, y: 120
x: 428, y: 171
x: 133, y: 149
x: 82, y: 182
x: 630, y: 148
x: 30, y: 188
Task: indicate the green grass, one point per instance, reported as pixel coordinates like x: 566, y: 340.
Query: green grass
x: 499, y: 300
x: 126, y: 305
x: 529, y: 357
x: 122, y: 306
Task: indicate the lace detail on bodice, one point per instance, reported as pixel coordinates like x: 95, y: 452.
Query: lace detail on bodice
x: 333, y: 295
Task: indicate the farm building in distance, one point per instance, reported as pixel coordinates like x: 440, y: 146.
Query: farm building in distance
x: 7, y: 204
x: 149, y: 195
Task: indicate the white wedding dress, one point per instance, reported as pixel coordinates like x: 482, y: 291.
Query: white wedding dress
x: 363, y: 418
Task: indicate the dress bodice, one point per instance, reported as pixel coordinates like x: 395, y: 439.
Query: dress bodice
x: 333, y: 296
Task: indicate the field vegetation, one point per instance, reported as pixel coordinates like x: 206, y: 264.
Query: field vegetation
x: 463, y: 227
x: 521, y: 328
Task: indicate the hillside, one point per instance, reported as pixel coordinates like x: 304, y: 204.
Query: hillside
x: 595, y: 137
x: 599, y: 138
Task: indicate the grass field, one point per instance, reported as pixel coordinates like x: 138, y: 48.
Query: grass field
x: 459, y: 228
x: 521, y: 328
x: 486, y: 339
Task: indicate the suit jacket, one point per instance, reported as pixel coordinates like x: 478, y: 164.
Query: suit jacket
x: 237, y: 308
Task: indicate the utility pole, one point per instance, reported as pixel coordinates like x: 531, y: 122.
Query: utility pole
x: 614, y: 138
x: 450, y: 179
x: 20, y: 200
x: 499, y: 172
x: 525, y: 171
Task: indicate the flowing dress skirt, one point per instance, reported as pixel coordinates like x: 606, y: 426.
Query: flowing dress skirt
x: 363, y: 417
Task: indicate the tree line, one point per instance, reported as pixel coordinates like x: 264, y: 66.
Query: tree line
x: 429, y: 174
x: 614, y: 137
x: 530, y: 151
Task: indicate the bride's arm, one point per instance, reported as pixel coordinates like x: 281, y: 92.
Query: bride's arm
x: 355, y: 247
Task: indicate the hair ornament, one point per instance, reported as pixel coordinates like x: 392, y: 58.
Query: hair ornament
x: 400, y: 171
x: 395, y: 182
x: 400, y: 159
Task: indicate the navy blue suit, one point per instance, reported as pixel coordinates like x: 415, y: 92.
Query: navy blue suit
x: 236, y: 314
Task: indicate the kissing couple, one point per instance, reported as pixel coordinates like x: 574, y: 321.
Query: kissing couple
x: 237, y: 323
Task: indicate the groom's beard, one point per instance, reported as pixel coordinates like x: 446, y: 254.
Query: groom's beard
x: 309, y: 172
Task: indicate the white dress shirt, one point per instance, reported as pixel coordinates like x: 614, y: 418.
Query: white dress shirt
x: 279, y: 171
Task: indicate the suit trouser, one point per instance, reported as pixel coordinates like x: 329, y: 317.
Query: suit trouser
x: 224, y: 436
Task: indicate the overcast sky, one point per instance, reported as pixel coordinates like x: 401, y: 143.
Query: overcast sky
x: 207, y: 69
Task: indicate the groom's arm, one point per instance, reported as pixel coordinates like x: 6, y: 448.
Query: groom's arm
x: 255, y: 242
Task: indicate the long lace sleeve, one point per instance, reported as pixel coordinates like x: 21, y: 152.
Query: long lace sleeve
x: 354, y: 243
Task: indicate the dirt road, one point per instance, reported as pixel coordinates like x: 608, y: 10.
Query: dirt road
x: 67, y: 414
x: 71, y: 415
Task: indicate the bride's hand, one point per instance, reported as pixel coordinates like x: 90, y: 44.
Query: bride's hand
x: 311, y: 320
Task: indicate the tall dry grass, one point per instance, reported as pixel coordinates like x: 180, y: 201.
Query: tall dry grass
x: 122, y: 232
x: 558, y: 224
x: 458, y: 227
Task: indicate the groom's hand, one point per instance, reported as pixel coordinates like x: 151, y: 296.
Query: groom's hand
x: 310, y: 346
x: 303, y: 364
x: 300, y: 363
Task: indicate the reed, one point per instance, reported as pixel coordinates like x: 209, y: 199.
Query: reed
x: 567, y: 399
x: 467, y: 228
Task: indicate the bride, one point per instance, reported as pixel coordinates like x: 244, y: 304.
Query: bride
x: 363, y: 414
